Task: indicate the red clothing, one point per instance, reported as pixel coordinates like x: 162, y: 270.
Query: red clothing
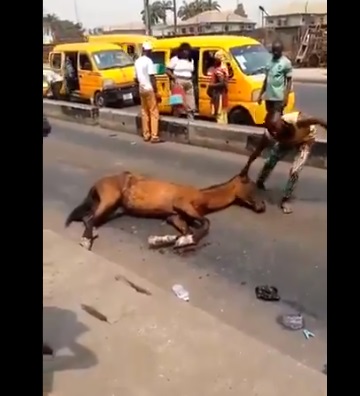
x: 177, y: 89
x: 218, y: 74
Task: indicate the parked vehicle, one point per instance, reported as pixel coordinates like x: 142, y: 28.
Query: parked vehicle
x: 247, y: 59
x: 130, y: 43
x: 101, y: 73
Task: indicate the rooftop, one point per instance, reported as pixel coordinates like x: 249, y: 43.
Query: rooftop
x: 125, y: 26
x: 215, y: 17
x: 300, y: 7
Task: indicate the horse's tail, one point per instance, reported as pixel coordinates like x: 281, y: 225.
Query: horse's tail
x: 84, y: 208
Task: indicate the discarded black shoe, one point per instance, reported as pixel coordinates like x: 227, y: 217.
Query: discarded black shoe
x: 267, y: 293
x: 47, y: 350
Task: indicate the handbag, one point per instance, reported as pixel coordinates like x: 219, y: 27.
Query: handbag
x: 176, y: 99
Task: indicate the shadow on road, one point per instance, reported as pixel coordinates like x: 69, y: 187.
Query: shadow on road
x: 61, y: 329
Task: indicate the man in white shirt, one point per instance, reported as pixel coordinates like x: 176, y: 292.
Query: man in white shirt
x: 145, y: 76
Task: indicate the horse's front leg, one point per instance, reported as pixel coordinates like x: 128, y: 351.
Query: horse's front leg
x: 160, y: 241
x: 187, y: 212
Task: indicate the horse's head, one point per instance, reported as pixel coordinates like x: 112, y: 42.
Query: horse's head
x: 248, y: 194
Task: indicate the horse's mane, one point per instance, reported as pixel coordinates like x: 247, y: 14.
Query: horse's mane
x: 215, y: 186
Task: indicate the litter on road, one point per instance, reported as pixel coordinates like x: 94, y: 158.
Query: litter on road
x: 267, y: 293
x: 181, y: 292
x: 308, y: 334
x: 292, y: 321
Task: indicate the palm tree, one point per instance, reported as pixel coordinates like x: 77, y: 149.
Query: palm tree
x: 189, y: 10
x: 164, y: 6
x: 211, y: 5
x: 50, y: 18
x: 196, y: 7
x: 155, y: 13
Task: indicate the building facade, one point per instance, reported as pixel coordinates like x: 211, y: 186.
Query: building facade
x: 298, y: 14
x: 209, y: 22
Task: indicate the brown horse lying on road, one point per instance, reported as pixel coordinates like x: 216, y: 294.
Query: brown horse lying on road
x: 184, y: 207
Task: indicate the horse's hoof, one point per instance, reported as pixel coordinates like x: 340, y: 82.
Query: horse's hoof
x: 85, y: 243
x: 184, y: 240
x: 156, y: 241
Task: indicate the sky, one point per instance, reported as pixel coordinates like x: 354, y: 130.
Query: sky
x: 95, y: 13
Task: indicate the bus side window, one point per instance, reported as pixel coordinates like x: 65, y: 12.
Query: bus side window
x: 55, y: 60
x: 158, y: 57
x: 208, y: 62
x: 131, y: 51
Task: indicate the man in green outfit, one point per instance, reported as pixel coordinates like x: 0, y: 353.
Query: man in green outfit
x: 276, y: 87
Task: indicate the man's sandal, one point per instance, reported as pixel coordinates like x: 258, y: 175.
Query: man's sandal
x: 286, y: 207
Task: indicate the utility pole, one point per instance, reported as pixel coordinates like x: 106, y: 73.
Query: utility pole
x: 147, y: 17
x: 175, y: 17
x: 76, y: 12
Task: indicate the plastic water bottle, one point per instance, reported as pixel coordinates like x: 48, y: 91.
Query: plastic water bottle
x: 181, y: 292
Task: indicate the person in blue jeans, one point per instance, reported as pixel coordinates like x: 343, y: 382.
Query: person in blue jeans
x: 276, y: 87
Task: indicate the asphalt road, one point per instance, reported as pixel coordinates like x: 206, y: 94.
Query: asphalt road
x: 312, y: 98
x: 244, y: 249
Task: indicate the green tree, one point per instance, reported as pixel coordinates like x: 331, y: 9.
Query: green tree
x: 157, y: 12
x: 164, y: 6
x: 49, y: 18
x: 210, y: 5
x: 63, y: 29
x: 190, y: 9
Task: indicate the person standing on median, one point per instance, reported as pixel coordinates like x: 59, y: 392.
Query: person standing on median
x: 180, y: 70
x: 276, y: 87
x: 145, y: 77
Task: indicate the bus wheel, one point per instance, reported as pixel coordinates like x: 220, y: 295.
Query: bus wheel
x: 240, y: 116
x: 99, y: 100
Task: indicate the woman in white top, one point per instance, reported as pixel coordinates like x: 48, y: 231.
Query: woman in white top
x: 180, y: 71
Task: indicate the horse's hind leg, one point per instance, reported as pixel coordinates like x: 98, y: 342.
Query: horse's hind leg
x: 87, y: 236
x: 95, y: 220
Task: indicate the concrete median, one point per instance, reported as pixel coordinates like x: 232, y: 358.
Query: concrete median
x: 124, y: 121
x: 153, y: 343
x: 74, y: 112
x: 232, y: 138
x: 243, y: 140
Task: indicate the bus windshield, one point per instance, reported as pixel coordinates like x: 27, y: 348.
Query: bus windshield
x: 112, y: 59
x: 252, y: 59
